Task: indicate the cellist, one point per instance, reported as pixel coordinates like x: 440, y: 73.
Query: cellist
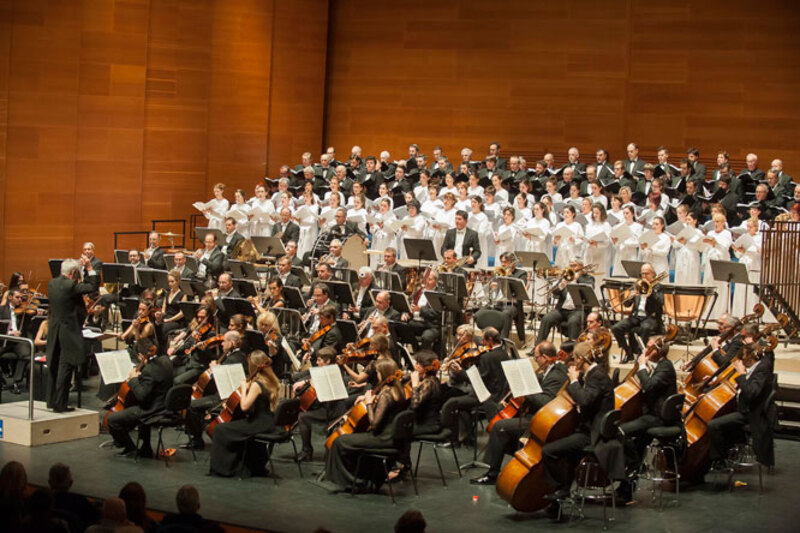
x: 149, y: 384
x: 754, y: 385
x: 505, y: 434
x: 593, y: 393
x: 726, y: 350
x: 657, y: 379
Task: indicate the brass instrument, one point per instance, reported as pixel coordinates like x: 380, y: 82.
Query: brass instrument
x: 444, y: 268
x: 569, y: 275
x: 505, y: 272
x: 548, y: 272
x: 246, y: 251
x: 641, y: 287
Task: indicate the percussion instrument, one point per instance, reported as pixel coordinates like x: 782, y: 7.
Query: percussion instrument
x: 612, y: 288
x: 686, y: 303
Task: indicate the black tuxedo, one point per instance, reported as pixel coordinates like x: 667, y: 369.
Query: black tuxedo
x: 292, y: 280
x: 391, y: 313
x: 572, y: 318
x: 332, y: 338
x: 644, y: 325
x: 400, y: 271
x: 65, y: 347
x: 215, y: 263
x: 186, y: 272
x: 157, y: 259
x: 342, y: 231
x: 288, y: 232
x: 514, y: 310
x: 730, y: 202
x: 470, y: 246
x: 234, y: 240
x: 604, y: 171
x: 699, y: 170
x: 634, y: 167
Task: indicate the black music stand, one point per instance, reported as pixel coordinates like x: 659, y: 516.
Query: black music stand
x: 119, y: 274
x: 349, y: 331
x: 347, y: 275
x: 291, y: 322
x: 342, y: 293
x: 533, y: 260
x: 301, y: 273
x: 202, y: 232
x: 245, y: 287
x: 235, y: 306
x: 255, y: 341
x: 456, y: 283
x: 583, y: 296
x: 404, y: 334
x: 121, y: 256
x: 150, y: 278
x: 269, y: 246
x: 189, y: 310
x: 294, y: 298
x: 191, y: 261
x: 419, y: 250
x: 55, y: 267
x: 235, y: 267
x: 398, y: 300
x: 388, y: 280
x: 730, y: 272
x: 633, y: 268
x: 449, y: 306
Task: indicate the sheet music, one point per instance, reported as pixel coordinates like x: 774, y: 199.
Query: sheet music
x: 745, y: 241
x: 477, y: 384
x: 328, y: 382
x: 621, y: 232
x: 114, y: 366
x: 200, y: 206
x: 521, y: 377
x: 649, y: 238
x: 91, y: 334
x: 228, y: 378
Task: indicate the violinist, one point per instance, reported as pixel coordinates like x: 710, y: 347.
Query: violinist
x: 331, y: 336
x: 141, y: 326
x: 426, y: 401
x: 14, y: 356
x: 657, y: 379
x: 267, y: 324
x: 202, y: 330
x: 199, y: 330
x: 566, y: 312
x: 724, y: 350
x: 754, y: 384
x: 505, y: 434
x: 383, y: 403
x: 17, y: 279
x: 275, y: 298
x: 232, y: 354
x: 644, y: 320
x: 593, y: 393
x: 149, y: 383
x: 259, y: 396
x: 379, y: 344
x: 318, y: 413
x: 491, y: 372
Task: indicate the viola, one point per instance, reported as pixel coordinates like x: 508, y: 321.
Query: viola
x: 523, y: 482
x: 316, y: 336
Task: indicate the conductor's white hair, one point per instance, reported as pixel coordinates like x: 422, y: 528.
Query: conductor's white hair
x: 69, y: 266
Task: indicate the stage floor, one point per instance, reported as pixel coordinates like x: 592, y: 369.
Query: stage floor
x: 296, y: 505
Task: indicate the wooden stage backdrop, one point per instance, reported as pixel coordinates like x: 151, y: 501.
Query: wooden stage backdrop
x: 113, y: 113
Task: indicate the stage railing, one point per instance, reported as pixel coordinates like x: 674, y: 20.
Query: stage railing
x: 780, y: 273
x: 31, y: 367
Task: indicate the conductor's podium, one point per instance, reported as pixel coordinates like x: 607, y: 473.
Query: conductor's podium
x: 46, y: 427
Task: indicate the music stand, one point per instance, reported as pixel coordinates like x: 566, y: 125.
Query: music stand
x: 347, y: 275
x: 235, y: 267
x: 269, y: 246
x: 248, y: 271
x: 186, y: 287
x: 189, y: 310
x: 446, y: 304
x: 419, y: 250
x: 398, y: 301
x: 633, y: 268
x: 121, y: 256
x: 456, y: 283
x: 294, y: 298
x: 119, y: 274
x: 245, y: 287
x: 191, y: 261
x: 55, y: 267
x: 388, y: 280
x: 403, y: 333
x: 342, y: 293
x: 349, y: 331
x: 151, y: 278
x: 584, y: 296
x: 730, y: 272
x: 202, y: 232
x: 291, y: 321
x: 255, y: 340
x: 533, y: 260
x: 301, y: 273
x: 234, y: 306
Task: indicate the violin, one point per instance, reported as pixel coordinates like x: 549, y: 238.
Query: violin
x: 205, y: 344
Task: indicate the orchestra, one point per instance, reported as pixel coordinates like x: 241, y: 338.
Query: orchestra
x: 351, y: 288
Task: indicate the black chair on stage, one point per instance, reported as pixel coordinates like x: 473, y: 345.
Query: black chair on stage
x: 446, y: 436
x: 743, y: 455
x: 177, y: 401
x: 402, y: 429
x: 285, y: 421
x: 485, y: 318
x: 662, y: 456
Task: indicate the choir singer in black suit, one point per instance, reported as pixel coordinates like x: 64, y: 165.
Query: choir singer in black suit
x: 462, y: 239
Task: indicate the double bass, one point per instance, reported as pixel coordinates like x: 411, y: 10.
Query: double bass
x: 628, y: 394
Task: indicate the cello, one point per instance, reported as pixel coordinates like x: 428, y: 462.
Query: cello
x: 232, y: 406
x: 199, y: 387
x: 628, y: 394
x: 511, y: 406
x: 523, y: 482
x: 125, y: 397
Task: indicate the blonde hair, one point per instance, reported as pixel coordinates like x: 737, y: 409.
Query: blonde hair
x: 268, y: 321
x: 260, y: 364
x: 719, y: 217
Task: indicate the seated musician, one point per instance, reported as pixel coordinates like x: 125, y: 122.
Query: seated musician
x: 259, y: 398
x: 566, y: 312
x: 425, y: 320
x: 725, y: 350
x: 291, y: 254
x: 593, y: 393
x: 141, y: 326
x: 171, y: 314
x: 383, y: 403
x: 450, y: 262
x: 505, y: 434
x: 274, y: 298
x: 390, y: 263
x: 513, y: 310
x: 335, y: 258
x: 363, y: 298
x: 382, y: 308
x: 317, y: 413
x: 15, y: 355
x: 201, y: 330
x: 366, y: 377
x: 644, y: 320
x: 754, y: 384
x: 321, y: 298
x: 491, y: 372
x: 588, y: 339
x: 180, y: 265
x: 658, y: 382
x: 192, y: 334
x: 149, y: 386
x: 154, y: 254
x: 324, y: 275
x: 277, y: 347
x: 288, y: 279
x: 232, y: 354
x: 323, y: 336
x: 232, y: 237
x: 210, y: 259
x: 225, y: 289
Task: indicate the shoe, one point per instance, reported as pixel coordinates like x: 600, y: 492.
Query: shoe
x: 489, y: 478
x: 560, y: 494
x: 306, y: 456
x: 625, y: 492
x: 66, y: 409
x: 193, y: 445
x: 15, y: 389
x: 127, y: 452
x: 397, y: 474
x: 146, y: 453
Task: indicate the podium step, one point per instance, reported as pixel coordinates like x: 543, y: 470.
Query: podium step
x: 46, y: 427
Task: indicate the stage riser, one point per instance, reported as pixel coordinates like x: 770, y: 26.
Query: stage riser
x: 46, y: 427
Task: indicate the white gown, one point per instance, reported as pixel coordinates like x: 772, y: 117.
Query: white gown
x: 567, y: 250
x: 687, y: 261
x: 627, y: 250
x: 657, y: 254
x: 217, y: 217
x: 506, y: 244
x: 480, y: 223
x: 543, y: 245
x: 415, y: 231
x: 242, y: 227
x: 382, y: 238
x: 262, y: 226
x: 309, y: 229
x: 752, y: 259
x: 718, y: 253
x: 598, y: 255
x: 437, y: 235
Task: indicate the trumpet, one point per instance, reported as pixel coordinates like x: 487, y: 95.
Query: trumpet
x: 444, y: 268
x: 641, y: 287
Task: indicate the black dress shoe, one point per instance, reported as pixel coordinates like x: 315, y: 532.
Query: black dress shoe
x: 305, y: 455
x: 146, y: 453
x: 489, y: 478
x: 15, y: 389
x: 66, y: 409
x: 127, y: 452
x: 193, y: 445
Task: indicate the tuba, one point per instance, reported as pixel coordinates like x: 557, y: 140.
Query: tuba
x: 245, y: 251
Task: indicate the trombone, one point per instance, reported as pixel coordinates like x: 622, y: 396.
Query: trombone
x: 567, y: 274
x: 641, y: 287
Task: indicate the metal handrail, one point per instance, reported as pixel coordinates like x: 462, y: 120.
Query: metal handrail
x: 28, y: 341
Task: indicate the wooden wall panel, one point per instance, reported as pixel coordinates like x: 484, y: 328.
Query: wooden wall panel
x: 117, y: 112
x: 547, y: 75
